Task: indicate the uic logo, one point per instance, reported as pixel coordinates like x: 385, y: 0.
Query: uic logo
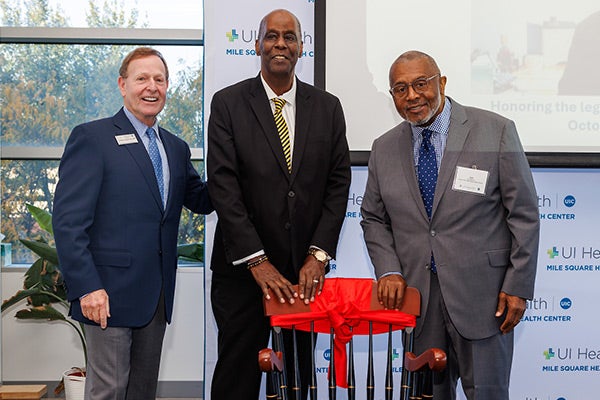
x: 569, y: 201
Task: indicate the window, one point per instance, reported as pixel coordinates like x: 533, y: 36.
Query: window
x: 59, y: 63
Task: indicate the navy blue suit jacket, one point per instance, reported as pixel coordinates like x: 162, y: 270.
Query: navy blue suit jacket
x: 110, y: 228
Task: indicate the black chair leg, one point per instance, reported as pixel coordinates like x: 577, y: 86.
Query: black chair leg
x: 313, y: 378
x: 389, y: 381
x: 407, y: 378
x: 296, y: 384
x: 282, y: 377
x: 351, y: 375
x: 370, y: 369
x: 332, y: 381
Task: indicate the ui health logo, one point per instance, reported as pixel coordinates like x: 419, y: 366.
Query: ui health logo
x: 241, y: 42
x: 573, y: 259
x: 578, y: 360
x: 542, y: 310
x: 556, y: 207
x: 572, y: 252
x: 548, y: 304
x: 549, y: 201
x: 232, y: 35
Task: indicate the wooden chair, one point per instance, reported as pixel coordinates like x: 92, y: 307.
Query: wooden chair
x: 348, y: 307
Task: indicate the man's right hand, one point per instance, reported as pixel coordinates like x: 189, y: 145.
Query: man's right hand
x: 390, y: 291
x: 95, y: 307
x: 268, y: 277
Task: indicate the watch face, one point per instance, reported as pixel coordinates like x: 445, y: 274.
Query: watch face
x: 320, y: 256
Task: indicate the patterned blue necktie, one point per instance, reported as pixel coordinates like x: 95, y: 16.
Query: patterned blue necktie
x: 156, y: 162
x: 427, y: 174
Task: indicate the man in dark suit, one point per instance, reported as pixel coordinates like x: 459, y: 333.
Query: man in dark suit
x: 279, y: 217
x: 450, y: 208
x: 122, y: 183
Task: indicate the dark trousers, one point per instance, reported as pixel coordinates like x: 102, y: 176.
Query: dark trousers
x: 243, y: 331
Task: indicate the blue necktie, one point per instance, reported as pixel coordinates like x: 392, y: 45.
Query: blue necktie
x: 156, y: 162
x: 427, y: 174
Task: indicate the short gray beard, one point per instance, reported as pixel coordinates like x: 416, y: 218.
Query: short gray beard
x: 432, y: 112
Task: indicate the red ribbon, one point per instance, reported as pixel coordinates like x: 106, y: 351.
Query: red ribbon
x: 345, y: 306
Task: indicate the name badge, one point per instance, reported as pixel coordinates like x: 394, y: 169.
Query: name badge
x: 126, y: 139
x: 470, y: 180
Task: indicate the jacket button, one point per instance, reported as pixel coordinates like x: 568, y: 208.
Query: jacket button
x: 287, y: 226
x: 432, y: 233
x: 291, y: 193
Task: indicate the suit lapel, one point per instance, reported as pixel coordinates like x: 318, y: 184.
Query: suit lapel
x: 408, y: 164
x: 262, y: 109
x: 457, y: 135
x: 303, y: 117
x: 139, y: 154
x: 168, y: 142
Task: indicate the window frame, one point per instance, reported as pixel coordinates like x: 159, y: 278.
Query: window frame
x: 101, y: 36
x: 94, y: 36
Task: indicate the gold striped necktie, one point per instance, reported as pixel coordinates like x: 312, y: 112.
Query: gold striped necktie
x: 284, y: 133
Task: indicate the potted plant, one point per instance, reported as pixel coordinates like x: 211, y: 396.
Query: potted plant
x: 45, y: 298
x: 44, y: 293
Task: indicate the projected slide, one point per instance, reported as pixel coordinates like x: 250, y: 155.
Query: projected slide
x: 536, y: 62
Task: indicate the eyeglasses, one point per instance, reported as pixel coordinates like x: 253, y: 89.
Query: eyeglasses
x: 419, y: 86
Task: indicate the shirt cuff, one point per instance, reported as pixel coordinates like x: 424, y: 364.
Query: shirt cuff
x: 391, y: 273
x: 251, y: 256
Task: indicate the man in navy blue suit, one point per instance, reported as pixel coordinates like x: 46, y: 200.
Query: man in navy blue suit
x: 122, y: 184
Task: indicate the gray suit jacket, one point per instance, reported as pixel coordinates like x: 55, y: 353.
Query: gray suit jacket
x: 482, y: 244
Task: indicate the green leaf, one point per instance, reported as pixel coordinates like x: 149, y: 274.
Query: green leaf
x: 192, y: 252
x: 18, y: 297
x: 44, y: 312
x: 44, y: 276
x: 43, y: 218
x: 42, y: 249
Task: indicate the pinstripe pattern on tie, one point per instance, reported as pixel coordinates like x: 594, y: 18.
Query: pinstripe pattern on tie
x: 284, y: 133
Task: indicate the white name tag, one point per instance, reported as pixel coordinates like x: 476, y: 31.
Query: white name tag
x: 126, y: 139
x: 470, y: 180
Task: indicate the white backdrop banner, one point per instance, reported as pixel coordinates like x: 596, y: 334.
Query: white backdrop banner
x: 557, y: 353
x: 230, y: 30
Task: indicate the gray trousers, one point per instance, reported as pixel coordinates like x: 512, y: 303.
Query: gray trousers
x: 483, y: 366
x: 123, y: 363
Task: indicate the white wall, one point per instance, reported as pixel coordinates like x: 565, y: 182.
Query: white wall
x: 38, y: 351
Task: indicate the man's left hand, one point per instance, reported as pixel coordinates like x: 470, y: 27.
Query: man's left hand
x: 311, y: 279
x: 515, y: 308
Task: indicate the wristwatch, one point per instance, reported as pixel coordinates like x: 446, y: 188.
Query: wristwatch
x: 320, y: 255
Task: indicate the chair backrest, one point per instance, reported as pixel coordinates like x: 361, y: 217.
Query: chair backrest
x: 411, y: 303
x: 346, y: 307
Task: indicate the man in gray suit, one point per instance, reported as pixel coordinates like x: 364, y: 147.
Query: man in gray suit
x: 450, y: 208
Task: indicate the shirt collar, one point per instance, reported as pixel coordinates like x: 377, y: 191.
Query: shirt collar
x: 441, y: 123
x: 139, y: 126
x: 289, y: 96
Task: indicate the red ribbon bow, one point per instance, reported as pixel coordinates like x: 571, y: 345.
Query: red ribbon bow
x: 345, y: 305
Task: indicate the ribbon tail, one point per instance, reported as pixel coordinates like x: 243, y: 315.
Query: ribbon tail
x: 341, y: 363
